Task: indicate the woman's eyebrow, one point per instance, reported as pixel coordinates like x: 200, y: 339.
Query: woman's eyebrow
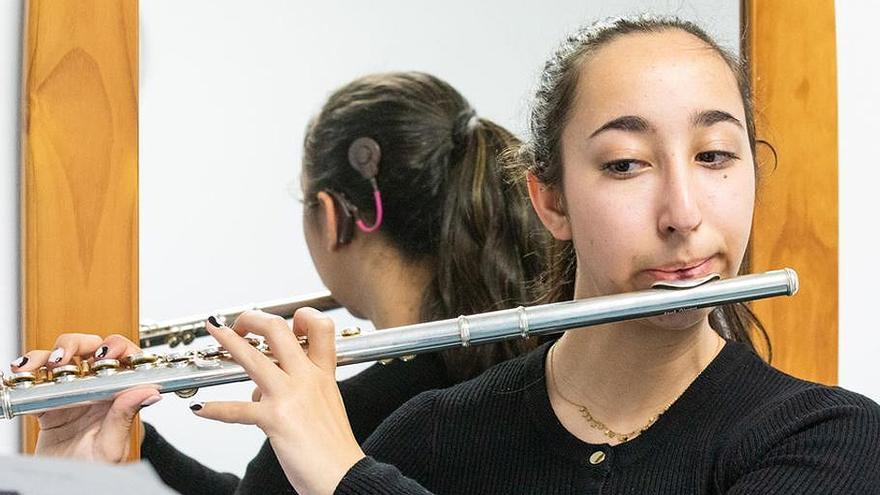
x: 709, y: 118
x: 634, y: 123
x: 629, y: 123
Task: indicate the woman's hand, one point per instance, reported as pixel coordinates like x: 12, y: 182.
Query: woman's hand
x: 98, y: 432
x: 298, y: 406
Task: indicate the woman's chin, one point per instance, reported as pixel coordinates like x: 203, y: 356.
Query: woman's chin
x: 680, y: 320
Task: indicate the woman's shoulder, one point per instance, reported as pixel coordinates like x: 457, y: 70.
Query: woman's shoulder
x: 773, y: 388
x: 771, y: 408
x: 778, y: 427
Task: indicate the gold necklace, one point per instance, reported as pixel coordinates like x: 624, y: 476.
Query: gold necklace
x: 598, y: 425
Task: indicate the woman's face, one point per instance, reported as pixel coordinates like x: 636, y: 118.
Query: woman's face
x: 658, y: 176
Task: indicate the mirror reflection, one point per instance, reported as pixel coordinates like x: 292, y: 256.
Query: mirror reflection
x: 227, y: 90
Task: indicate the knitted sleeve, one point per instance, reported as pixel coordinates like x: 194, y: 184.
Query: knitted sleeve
x: 181, y: 472
x: 816, y: 441
x: 400, y: 452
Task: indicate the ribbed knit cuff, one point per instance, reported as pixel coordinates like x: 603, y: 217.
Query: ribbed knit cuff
x: 369, y: 477
x: 152, y: 439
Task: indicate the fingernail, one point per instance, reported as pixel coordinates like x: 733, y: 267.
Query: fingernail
x: 18, y: 363
x: 57, y: 355
x: 196, y: 406
x: 150, y: 401
x: 101, y: 352
x: 213, y: 321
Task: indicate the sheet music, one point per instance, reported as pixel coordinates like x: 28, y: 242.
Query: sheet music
x: 27, y: 475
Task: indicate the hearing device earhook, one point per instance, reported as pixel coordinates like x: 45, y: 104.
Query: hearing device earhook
x: 363, y: 155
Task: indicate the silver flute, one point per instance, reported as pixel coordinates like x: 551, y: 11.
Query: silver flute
x: 185, y: 330
x: 185, y: 373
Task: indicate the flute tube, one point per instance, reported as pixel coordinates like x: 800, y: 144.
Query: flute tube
x: 184, y: 330
x: 413, y: 339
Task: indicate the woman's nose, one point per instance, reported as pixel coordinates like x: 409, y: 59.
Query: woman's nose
x: 680, y: 209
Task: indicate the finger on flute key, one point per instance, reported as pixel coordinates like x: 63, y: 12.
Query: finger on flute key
x: 30, y: 361
x: 68, y: 345
x: 278, y: 334
x: 260, y: 368
x: 321, y: 332
x: 116, y: 347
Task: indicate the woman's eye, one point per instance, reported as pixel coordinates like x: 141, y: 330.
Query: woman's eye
x: 715, y: 159
x: 622, y: 168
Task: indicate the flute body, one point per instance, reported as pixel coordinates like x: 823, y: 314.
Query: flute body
x: 184, y: 330
x: 186, y: 373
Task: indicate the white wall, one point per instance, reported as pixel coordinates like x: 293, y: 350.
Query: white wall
x: 226, y: 90
x: 858, y: 85
x: 10, y: 57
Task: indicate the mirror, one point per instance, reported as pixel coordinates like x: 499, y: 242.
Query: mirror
x: 226, y: 90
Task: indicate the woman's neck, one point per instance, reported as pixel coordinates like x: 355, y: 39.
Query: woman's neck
x: 395, y: 293
x: 624, y: 373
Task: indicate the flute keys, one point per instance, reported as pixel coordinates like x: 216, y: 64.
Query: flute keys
x: 351, y: 331
x: 186, y: 393
x: 178, y: 359
x: 41, y: 374
x: 213, y: 352
x: 66, y: 373
x: 22, y: 379
x: 142, y: 361
x: 209, y: 357
x: 106, y: 367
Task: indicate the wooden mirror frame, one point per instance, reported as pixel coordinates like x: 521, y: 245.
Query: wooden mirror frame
x: 79, y: 227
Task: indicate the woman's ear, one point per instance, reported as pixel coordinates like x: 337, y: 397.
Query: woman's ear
x: 329, y: 234
x: 549, y: 205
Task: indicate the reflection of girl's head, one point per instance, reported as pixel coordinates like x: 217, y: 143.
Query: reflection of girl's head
x: 446, y: 199
x: 643, y: 138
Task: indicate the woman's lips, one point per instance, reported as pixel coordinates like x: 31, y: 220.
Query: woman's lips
x: 689, y: 270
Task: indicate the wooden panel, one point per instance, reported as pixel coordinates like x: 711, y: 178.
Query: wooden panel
x: 79, y: 179
x: 791, y: 46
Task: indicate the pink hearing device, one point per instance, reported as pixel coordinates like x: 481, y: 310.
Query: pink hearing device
x: 363, y: 155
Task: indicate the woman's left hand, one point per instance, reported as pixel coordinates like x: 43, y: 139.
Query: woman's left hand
x: 299, y: 406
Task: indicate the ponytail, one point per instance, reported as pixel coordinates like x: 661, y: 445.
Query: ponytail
x: 447, y: 200
x: 489, y: 244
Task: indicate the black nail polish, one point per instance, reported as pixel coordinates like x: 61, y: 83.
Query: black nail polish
x: 18, y: 363
x: 102, y: 352
x: 150, y: 401
x: 213, y: 321
x: 56, y: 356
x: 196, y: 407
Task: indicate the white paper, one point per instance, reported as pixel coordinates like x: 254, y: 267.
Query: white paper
x: 27, y: 475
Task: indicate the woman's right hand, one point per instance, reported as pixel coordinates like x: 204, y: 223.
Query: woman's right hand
x: 98, y: 432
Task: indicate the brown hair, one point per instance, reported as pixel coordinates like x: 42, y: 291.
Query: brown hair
x: 447, y: 198
x: 542, y: 155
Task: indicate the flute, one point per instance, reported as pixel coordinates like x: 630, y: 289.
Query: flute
x: 185, y: 330
x: 184, y: 373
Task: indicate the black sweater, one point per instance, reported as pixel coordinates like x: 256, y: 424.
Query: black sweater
x: 369, y: 397
x: 741, y: 427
